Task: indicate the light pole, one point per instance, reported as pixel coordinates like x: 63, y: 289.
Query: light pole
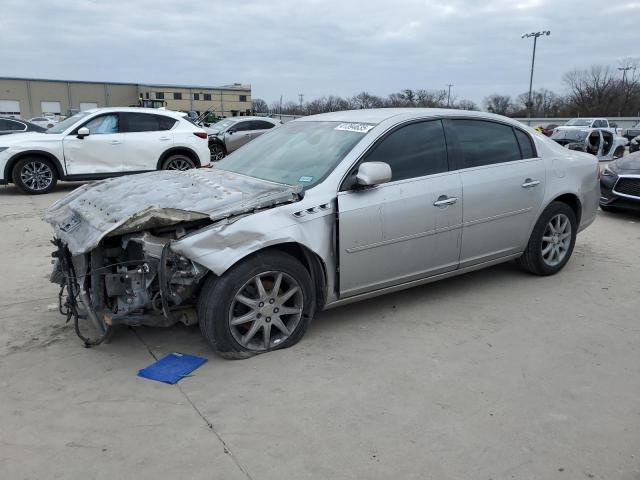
x: 535, y: 36
x: 624, y: 89
x: 449, y: 94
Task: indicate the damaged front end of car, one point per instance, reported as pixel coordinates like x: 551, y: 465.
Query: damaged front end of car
x: 113, y: 259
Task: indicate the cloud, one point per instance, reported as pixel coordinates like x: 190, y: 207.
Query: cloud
x: 315, y: 47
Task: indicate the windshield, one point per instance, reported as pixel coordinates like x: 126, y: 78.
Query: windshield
x: 63, y: 125
x: 222, y: 124
x: 579, y: 122
x: 297, y: 153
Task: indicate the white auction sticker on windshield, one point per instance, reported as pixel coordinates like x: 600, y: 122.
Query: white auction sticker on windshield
x: 354, y: 127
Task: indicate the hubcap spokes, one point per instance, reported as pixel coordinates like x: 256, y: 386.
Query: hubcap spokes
x: 217, y: 154
x: 179, y: 164
x: 36, y: 175
x: 556, y: 240
x: 266, y: 311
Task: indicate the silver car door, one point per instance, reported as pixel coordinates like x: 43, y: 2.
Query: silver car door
x: 237, y: 135
x: 503, y: 182
x: 408, y: 228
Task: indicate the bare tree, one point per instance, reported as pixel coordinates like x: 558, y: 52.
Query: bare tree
x: 466, y: 105
x: 500, y: 104
x: 259, y: 106
x: 365, y: 100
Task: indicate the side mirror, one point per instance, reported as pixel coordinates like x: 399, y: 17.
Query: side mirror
x: 83, y: 132
x: 230, y: 132
x: 373, y: 173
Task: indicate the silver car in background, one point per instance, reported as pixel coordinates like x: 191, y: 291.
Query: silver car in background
x: 230, y: 134
x: 322, y: 211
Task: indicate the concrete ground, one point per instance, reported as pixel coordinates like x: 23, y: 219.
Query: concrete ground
x: 492, y: 375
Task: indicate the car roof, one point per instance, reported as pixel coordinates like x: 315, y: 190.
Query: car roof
x: 157, y: 111
x: 238, y: 119
x: 378, y: 115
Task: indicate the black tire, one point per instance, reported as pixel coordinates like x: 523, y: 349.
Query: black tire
x: 178, y: 161
x: 609, y: 209
x: 217, y: 152
x: 218, y: 297
x: 34, y: 175
x: 532, y: 259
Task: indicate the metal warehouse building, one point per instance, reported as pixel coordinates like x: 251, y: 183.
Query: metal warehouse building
x: 27, y: 97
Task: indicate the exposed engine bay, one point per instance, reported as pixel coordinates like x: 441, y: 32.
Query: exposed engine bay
x: 114, y: 261
x: 134, y: 279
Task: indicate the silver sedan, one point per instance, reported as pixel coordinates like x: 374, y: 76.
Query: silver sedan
x: 323, y: 211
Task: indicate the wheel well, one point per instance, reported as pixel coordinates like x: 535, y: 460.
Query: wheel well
x: 218, y: 142
x: 176, y: 151
x: 8, y: 169
x: 573, y: 202
x: 312, y: 262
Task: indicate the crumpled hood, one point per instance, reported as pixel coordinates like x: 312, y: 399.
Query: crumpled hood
x: 629, y: 164
x: 139, y: 202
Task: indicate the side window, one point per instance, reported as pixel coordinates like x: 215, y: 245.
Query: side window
x: 241, y: 127
x: 146, y: 122
x: 16, y: 126
x: 485, y: 143
x: 526, y: 144
x: 261, y: 125
x: 103, y: 124
x: 413, y: 151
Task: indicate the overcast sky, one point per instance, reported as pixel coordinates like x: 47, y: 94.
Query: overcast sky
x: 316, y: 47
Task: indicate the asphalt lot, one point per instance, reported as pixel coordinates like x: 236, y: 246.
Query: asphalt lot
x: 492, y: 375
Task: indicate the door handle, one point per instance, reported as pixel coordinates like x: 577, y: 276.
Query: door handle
x: 115, y: 142
x: 165, y: 138
x: 443, y: 201
x: 528, y: 183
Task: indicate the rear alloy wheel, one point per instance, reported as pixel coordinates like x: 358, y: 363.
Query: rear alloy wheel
x: 217, y: 152
x: 178, y: 162
x: 34, y: 175
x: 264, y: 303
x: 552, y: 240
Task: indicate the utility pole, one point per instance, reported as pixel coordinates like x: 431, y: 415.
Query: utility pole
x: 280, y: 106
x: 535, y: 36
x: 449, y: 94
x: 624, y: 87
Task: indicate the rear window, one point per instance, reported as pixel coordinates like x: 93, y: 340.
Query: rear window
x: 485, y: 143
x: 147, y: 122
x: 526, y: 145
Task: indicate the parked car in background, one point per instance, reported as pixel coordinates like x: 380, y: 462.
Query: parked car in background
x: 44, y: 122
x: 10, y: 125
x: 596, y: 141
x: 588, y: 124
x: 101, y: 143
x: 230, y: 134
x: 322, y: 211
x: 631, y: 133
x: 620, y: 184
x: 634, y: 144
x: 548, y: 129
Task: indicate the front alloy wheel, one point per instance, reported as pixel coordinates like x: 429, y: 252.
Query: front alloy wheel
x: 265, y: 311
x: 34, y: 175
x: 263, y: 303
x: 216, y: 152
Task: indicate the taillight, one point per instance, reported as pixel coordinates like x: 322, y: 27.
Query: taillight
x: 201, y: 135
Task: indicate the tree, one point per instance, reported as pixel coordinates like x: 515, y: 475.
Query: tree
x: 259, y: 106
x: 465, y: 105
x: 500, y: 104
x: 545, y: 103
x: 365, y: 100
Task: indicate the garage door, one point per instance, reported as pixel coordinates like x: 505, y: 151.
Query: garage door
x: 50, y: 108
x: 10, y: 108
x: 87, y: 106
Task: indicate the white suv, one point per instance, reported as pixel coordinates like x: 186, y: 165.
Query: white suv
x: 101, y: 143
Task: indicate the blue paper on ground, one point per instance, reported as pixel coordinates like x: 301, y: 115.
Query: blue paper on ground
x: 172, y: 367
